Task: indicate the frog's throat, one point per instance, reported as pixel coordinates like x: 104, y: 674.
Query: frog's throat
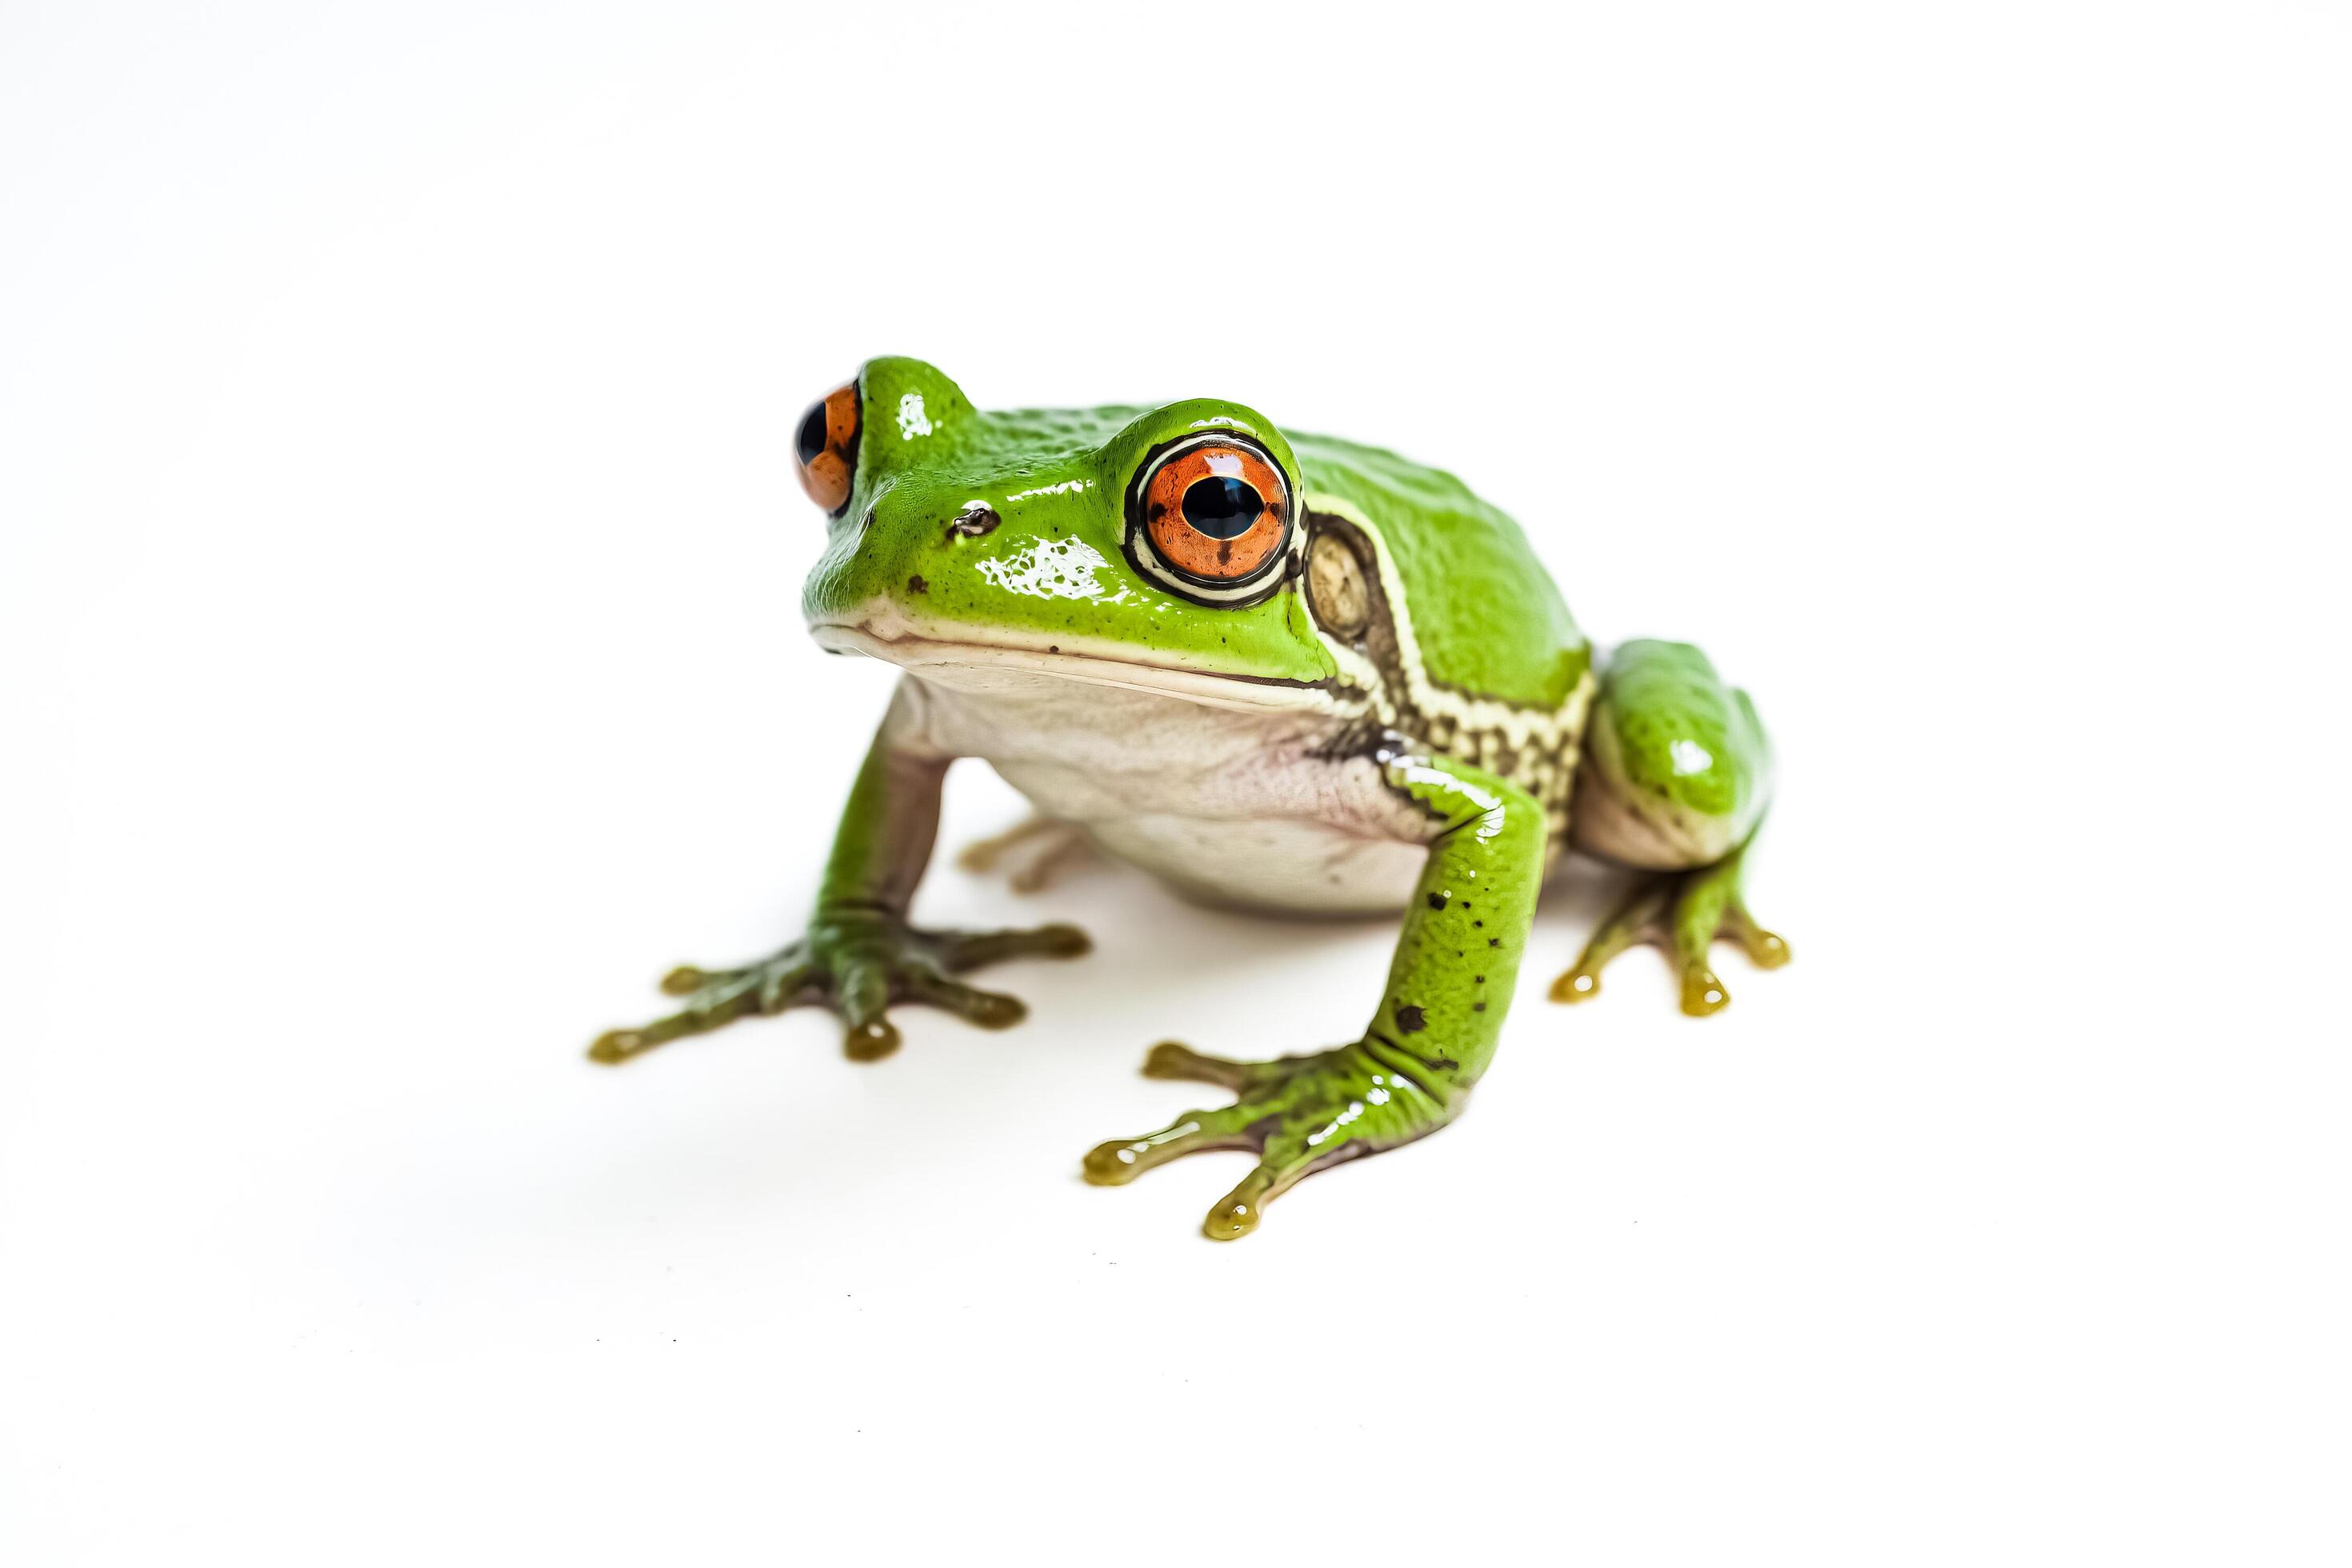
x: 960, y: 657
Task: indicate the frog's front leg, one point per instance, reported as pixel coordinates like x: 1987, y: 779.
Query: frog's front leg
x: 860, y: 955
x: 1449, y: 987
x: 1676, y: 776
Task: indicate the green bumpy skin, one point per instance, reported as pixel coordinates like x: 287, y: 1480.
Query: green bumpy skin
x: 1400, y: 671
x: 1487, y: 618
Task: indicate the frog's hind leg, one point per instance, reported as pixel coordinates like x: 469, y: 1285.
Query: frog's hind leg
x: 1684, y: 913
x: 1031, y: 855
x: 1676, y: 776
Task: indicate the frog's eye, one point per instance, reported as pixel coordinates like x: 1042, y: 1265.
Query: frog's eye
x: 1212, y: 516
x: 826, y: 449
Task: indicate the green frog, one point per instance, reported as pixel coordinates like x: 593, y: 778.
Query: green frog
x: 1279, y: 672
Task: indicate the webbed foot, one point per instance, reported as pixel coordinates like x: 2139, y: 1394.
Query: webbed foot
x: 1298, y: 1114
x: 860, y: 963
x: 1683, y: 912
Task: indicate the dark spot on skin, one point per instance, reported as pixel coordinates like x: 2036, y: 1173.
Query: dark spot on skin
x: 1493, y: 941
x: 915, y: 584
x: 1477, y: 1006
x: 1053, y: 647
x: 1479, y: 978
x: 1437, y: 900
x: 1480, y: 924
x: 1465, y: 905
x: 974, y: 521
x: 1412, y: 1019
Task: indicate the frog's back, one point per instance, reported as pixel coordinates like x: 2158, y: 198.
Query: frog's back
x: 1487, y: 618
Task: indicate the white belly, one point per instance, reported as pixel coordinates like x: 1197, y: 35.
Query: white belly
x: 1292, y: 864
x: 1228, y: 806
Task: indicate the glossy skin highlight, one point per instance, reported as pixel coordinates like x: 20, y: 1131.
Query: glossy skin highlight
x: 1278, y: 672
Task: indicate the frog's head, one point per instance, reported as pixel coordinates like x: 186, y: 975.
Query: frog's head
x: 1159, y: 549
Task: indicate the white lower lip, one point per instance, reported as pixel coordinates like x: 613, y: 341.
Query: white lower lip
x: 913, y: 650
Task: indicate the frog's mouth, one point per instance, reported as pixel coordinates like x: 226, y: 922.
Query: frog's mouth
x: 970, y: 658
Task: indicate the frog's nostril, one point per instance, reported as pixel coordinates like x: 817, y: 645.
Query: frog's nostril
x: 975, y: 521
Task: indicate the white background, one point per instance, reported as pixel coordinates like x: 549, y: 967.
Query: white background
x: 403, y: 667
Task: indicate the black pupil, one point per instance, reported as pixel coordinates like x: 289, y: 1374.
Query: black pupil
x: 810, y: 439
x: 1222, y: 508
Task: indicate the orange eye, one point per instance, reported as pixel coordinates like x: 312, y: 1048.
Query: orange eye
x: 1216, y: 510
x: 826, y: 446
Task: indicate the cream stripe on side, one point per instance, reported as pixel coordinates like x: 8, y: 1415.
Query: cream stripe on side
x: 1549, y: 730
